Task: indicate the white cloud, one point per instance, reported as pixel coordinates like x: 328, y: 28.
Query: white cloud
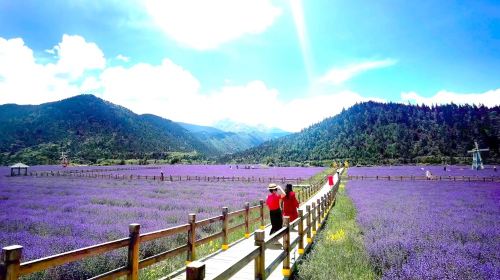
x: 166, y: 89
x: 337, y: 76
x: 489, y: 98
x: 205, y: 25
x: 23, y: 81
x: 75, y: 55
x: 123, y: 58
x: 90, y: 85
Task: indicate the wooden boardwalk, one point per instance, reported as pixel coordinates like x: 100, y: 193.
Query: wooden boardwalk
x: 220, y: 261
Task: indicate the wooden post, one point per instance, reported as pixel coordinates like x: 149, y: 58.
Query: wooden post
x: 321, y: 208
x: 10, y: 263
x: 301, y: 232
x: 327, y: 203
x: 286, y: 247
x: 327, y: 200
x: 308, y: 223
x: 323, y: 205
x: 247, y: 214
x: 195, y: 271
x: 318, y: 212
x: 260, y: 261
x: 262, y: 225
x: 313, y: 222
x: 225, y: 222
x: 133, y: 252
x: 191, y: 254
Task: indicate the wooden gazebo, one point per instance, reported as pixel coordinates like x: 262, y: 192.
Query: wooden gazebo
x: 19, y: 169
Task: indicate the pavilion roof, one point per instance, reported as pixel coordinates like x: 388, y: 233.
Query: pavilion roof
x: 19, y: 165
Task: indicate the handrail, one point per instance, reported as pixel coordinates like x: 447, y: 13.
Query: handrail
x: 103, y: 174
x: 209, y: 238
x: 71, y: 256
x: 164, y: 232
x: 113, y: 274
x: 209, y: 221
x: 319, y: 213
x: 161, y: 256
x: 424, y: 178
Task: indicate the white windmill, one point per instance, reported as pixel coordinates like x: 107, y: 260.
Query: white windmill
x: 64, y: 159
x: 477, y: 162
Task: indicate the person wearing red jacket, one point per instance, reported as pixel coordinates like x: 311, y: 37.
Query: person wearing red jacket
x: 273, y: 203
x: 290, y: 203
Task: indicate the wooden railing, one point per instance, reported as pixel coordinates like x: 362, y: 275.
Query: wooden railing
x: 91, y: 170
x: 307, y: 223
x: 424, y: 178
x: 168, y: 178
x: 11, y: 266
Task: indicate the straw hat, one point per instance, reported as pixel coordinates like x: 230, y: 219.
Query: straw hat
x: 272, y: 186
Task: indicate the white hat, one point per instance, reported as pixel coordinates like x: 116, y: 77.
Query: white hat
x: 272, y: 186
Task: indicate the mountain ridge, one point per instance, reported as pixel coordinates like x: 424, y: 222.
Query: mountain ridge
x: 228, y: 142
x: 387, y: 133
x: 89, y: 128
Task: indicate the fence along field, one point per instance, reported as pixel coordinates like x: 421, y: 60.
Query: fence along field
x: 234, y: 173
x: 207, y: 230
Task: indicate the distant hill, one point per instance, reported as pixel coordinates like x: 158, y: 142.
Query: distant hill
x: 232, y: 137
x: 261, y: 132
x: 222, y: 141
x: 377, y: 133
x: 90, y: 129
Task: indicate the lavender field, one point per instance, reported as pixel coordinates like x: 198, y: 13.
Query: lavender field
x: 428, y: 229
x: 49, y: 215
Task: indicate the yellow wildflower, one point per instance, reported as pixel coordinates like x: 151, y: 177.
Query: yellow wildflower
x: 339, y: 235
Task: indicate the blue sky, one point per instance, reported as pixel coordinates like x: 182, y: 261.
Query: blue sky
x: 283, y: 63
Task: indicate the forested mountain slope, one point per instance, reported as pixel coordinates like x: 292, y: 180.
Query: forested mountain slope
x: 88, y: 128
x: 375, y: 133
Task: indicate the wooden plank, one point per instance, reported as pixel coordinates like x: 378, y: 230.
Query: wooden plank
x: 208, y: 221
x: 209, y: 238
x: 236, y: 227
x: 236, y: 213
x: 71, y: 256
x: 276, y: 236
x: 164, y: 233
x: 113, y: 274
x: 162, y: 256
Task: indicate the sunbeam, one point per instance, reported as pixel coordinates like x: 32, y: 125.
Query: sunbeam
x: 300, y: 26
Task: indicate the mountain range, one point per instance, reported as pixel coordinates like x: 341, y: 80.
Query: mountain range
x: 91, y: 130
x: 94, y: 131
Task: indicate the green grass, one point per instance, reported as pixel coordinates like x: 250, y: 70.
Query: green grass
x: 338, y: 252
